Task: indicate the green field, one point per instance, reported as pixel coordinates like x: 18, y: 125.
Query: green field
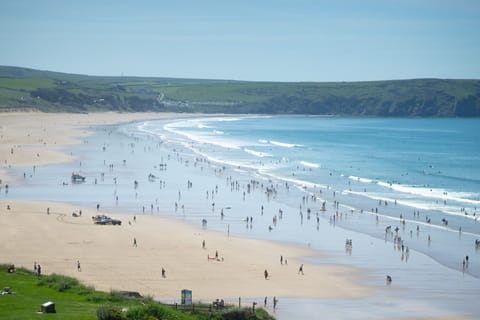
x: 22, y: 88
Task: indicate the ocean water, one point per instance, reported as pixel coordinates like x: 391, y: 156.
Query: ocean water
x: 312, y: 181
x: 411, y: 160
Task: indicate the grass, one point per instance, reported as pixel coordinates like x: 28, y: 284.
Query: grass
x: 60, y: 92
x: 72, y: 301
x: 25, y: 83
x: 76, y: 301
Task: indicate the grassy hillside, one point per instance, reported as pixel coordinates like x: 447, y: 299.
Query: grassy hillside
x: 75, y: 301
x: 22, y: 88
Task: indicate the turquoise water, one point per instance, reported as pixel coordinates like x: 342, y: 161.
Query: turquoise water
x: 426, y: 164
x: 350, y: 166
x: 423, y: 158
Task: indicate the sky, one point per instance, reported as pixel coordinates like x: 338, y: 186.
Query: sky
x: 259, y: 40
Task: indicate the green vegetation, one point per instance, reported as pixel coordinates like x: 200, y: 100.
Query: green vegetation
x: 75, y: 301
x: 26, y: 89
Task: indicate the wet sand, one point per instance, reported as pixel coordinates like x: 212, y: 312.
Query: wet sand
x: 106, y: 253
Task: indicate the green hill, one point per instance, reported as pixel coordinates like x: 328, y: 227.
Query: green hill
x: 26, y: 89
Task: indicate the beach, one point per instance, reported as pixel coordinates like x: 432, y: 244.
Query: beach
x: 109, y: 261
x: 172, y: 194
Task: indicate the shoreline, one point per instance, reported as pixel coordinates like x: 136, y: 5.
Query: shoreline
x: 36, y: 138
x: 237, y: 278
x: 173, y: 239
x: 110, y: 261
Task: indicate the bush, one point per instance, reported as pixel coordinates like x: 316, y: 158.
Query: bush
x: 116, y: 296
x: 109, y: 313
x: 58, y: 282
x: 154, y: 311
x: 239, y: 314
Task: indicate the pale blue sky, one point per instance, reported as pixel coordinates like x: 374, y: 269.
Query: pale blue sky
x: 341, y: 40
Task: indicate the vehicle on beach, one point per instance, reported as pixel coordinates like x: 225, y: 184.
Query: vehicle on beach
x: 106, y: 220
x: 76, y: 178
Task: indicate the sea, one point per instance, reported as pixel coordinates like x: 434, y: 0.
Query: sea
x: 385, y: 195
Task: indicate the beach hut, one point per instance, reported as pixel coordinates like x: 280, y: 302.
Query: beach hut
x: 186, y: 297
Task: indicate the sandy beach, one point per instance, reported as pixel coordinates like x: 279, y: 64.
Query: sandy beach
x: 108, y: 258
x: 36, y: 138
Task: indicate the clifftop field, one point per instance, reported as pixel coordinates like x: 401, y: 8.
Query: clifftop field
x: 28, y: 89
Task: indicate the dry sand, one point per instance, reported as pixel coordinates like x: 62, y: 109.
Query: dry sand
x: 106, y: 253
x: 110, y: 261
x: 34, y: 138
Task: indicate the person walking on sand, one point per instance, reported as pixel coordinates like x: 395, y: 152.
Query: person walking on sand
x: 275, y: 301
x: 79, y: 268
x: 281, y: 260
x: 163, y: 273
x: 265, y: 273
x: 265, y: 302
x: 300, y: 270
x: 135, y: 242
x: 39, y: 270
x: 203, y: 244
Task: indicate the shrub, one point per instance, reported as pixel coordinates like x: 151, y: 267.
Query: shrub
x: 109, y: 313
x: 239, y: 314
x: 58, y: 282
x: 153, y: 311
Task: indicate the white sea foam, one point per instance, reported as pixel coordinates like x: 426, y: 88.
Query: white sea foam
x: 300, y: 183
x: 309, y: 164
x: 284, y: 144
x: 263, y: 141
x: 257, y: 153
x: 225, y: 119
x: 360, y: 179
x: 435, y: 193
x: 148, y: 129
x: 415, y: 203
x: 235, y: 164
x: 422, y: 223
x: 219, y: 132
x: 201, y: 137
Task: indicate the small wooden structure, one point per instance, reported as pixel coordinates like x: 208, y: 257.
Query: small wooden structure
x: 186, y: 296
x: 48, y: 307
